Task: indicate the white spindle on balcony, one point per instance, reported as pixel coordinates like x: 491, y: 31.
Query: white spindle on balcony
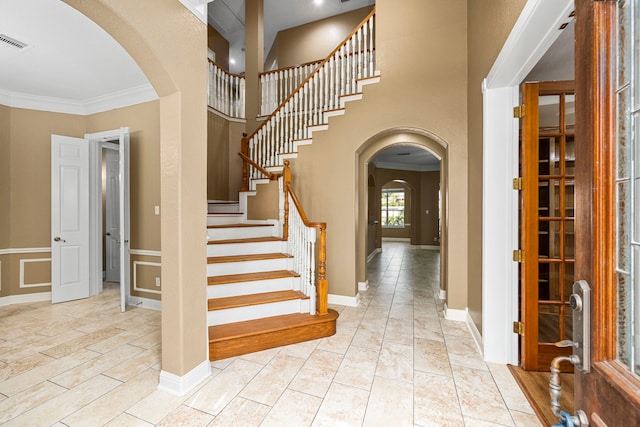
x: 276, y: 85
x: 226, y: 92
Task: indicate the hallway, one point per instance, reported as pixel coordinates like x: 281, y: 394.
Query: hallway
x: 393, y: 362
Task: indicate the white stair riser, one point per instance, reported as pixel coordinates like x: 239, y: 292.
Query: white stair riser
x: 253, y: 287
x: 253, y: 312
x: 227, y: 208
x: 225, y: 218
x: 224, y: 268
x: 240, y: 232
x: 228, y: 249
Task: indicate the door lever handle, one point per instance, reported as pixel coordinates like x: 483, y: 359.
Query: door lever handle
x: 107, y: 234
x: 566, y: 343
x: 58, y: 239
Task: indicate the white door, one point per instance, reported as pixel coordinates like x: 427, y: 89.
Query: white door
x: 69, y: 218
x: 124, y: 217
x: 112, y: 216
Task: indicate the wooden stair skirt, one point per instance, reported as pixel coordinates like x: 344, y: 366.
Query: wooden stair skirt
x: 254, y: 335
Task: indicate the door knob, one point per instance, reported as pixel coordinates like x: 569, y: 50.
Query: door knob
x: 107, y: 234
x: 58, y: 239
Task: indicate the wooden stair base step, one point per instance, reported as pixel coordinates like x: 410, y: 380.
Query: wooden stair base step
x: 240, y: 258
x: 255, y: 335
x: 254, y: 299
x: 250, y: 277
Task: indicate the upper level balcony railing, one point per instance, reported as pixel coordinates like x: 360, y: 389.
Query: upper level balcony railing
x: 277, y: 85
x: 226, y: 92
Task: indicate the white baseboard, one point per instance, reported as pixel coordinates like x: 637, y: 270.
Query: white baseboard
x: 396, y: 239
x: 181, y: 385
x: 454, y: 314
x: 443, y: 294
x: 344, y: 300
x: 477, y: 337
x: 152, y: 304
x: 373, y: 254
x: 363, y: 286
x: 25, y: 298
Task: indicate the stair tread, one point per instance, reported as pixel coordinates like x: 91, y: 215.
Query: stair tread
x: 254, y: 299
x: 240, y: 225
x: 240, y: 258
x: 225, y: 213
x: 250, y: 277
x: 246, y: 240
x: 260, y: 326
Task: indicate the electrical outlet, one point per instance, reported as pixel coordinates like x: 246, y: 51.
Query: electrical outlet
x: 156, y: 210
x: 158, y: 281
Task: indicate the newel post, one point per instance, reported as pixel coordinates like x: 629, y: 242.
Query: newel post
x: 323, y: 284
x: 286, y: 181
x: 244, y: 149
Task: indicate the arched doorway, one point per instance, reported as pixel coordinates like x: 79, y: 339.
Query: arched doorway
x: 412, y: 139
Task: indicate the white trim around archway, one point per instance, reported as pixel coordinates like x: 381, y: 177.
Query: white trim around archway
x: 534, y: 32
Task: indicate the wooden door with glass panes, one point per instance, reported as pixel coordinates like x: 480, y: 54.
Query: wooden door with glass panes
x: 547, y: 220
x: 608, y: 206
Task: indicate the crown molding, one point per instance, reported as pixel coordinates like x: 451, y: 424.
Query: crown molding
x: 98, y: 104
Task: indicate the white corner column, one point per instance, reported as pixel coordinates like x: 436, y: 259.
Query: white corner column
x: 499, y: 225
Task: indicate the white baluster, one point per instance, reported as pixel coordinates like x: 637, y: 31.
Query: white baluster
x: 354, y: 88
x: 371, y: 46
x: 359, y: 53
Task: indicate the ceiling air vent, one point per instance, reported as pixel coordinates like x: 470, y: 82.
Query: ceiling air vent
x: 12, y: 42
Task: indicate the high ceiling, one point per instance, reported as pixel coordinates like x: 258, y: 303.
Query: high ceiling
x: 227, y: 17
x: 69, y: 65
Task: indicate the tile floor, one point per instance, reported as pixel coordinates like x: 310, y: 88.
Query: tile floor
x: 395, y: 361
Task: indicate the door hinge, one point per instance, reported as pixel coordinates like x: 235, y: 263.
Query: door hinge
x: 518, y: 255
x: 518, y: 183
x: 518, y: 328
x: 518, y: 111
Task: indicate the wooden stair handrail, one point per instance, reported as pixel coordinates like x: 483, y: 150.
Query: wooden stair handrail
x: 244, y: 147
x: 264, y: 73
x: 310, y: 76
x: 322, y: 284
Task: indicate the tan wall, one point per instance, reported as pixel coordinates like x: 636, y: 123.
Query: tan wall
x: 219, y: 45
x: 315, y: 40
x: 27, y: 191
x: 144, y: 127
x: 169, y: 45
x: 5, y: 176
x: 235, y: 162
x: 30, y: 178
x: 423, y: 87
x: 144, y: 271
x: 217, y: 157
x: 31, y: 172
x: 429, y: 186
x: 485, y: 42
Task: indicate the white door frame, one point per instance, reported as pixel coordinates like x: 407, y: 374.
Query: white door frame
x: 96, y: 142
x: 534, y: 32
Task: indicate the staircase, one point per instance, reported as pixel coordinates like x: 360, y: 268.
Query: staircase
x: 264, y: 276
x: 254, y: 297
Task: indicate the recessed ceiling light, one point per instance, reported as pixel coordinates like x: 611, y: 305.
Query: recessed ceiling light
x: 318, y: 2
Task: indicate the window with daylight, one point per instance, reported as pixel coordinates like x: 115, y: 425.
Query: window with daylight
x: 392, y: 207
